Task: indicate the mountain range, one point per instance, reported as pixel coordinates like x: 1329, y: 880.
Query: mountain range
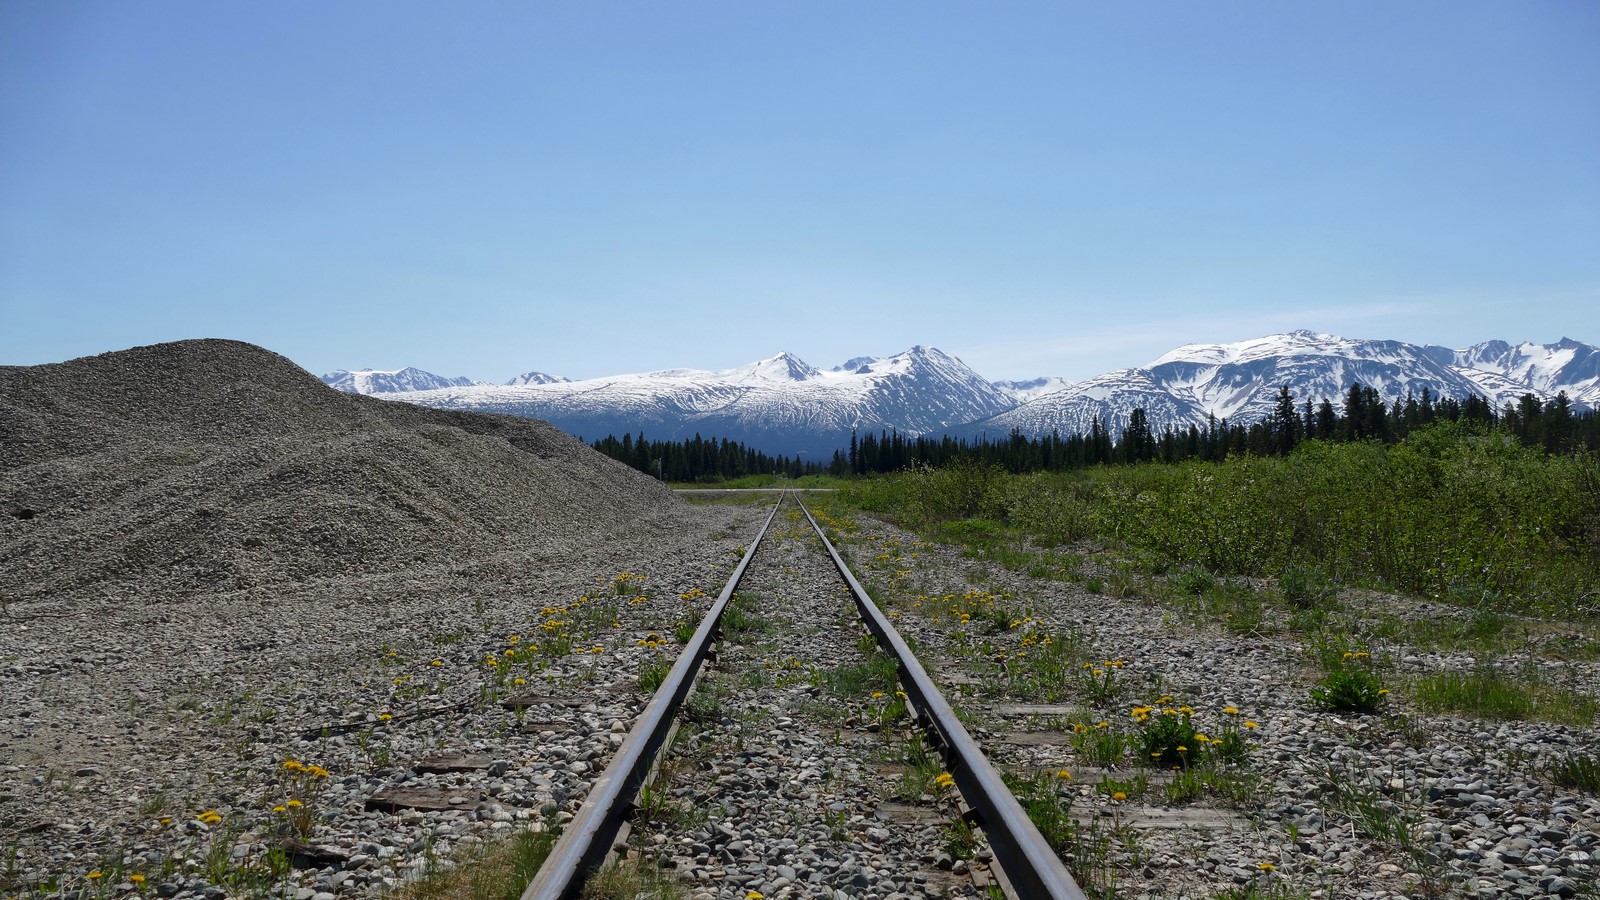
x: 784, y: 405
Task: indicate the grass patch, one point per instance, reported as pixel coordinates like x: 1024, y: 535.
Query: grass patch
x: 497, y: 871
x: 876, y: 674
x: 1491, y: 694
x: 1576, y: 771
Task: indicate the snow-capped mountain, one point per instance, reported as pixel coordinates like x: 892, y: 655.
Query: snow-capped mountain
x: 1504, y: 372
x: 781, y: 404
x: 537, y: 378
x: 1239, y: 381
x: 784, y: 405
x: 389, y: 381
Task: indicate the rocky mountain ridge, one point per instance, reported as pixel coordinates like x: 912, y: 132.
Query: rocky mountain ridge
x: 785, y: 405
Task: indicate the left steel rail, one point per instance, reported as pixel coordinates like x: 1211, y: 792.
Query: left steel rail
x: 589, y: 837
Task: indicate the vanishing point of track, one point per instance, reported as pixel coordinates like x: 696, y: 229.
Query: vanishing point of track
x: 1023, y: 863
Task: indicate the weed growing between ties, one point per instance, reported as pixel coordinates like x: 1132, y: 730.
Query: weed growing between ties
x: 498, y: 870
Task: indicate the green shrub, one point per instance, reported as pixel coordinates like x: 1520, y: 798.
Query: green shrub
x: 1350, y: 690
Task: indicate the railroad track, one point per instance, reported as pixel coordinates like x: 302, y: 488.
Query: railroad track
x: 758, y: 798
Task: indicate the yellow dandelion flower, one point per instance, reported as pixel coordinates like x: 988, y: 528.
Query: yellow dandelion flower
x: 279, y: 808
x: 1064, y: 775
x: 1231, y: 710
x: 1267, y: 867
x: 384, y: 717
x: 519, y: 681
x: 136, y: 878
x: 1250, y: 725
x: 437, y: 662
x: 96, y: 875
x: 294, y: 804
x: 1119, y: 795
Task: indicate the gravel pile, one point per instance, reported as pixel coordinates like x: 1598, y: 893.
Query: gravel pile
x: 213, y: 565
x: 212, y: 466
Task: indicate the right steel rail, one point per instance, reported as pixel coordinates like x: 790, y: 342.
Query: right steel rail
x: 1026, y: 860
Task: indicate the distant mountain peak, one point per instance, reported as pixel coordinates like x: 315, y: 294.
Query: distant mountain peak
x: 537, y: 378
x: 390, y: 381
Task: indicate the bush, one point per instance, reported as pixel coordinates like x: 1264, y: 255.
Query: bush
x: 1350, y: 690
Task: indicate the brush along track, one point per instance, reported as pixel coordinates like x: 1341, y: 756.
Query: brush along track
x: 797, y: 770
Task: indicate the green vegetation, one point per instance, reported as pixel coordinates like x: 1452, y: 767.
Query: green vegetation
x: 1449, y: 513
x: 499, y: 871
x: 1576, y: 771
x: 1493, y: 694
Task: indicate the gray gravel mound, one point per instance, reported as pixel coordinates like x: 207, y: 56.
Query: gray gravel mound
x: 209, y: 466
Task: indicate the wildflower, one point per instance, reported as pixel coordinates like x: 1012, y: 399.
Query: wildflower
x: 1383, y: 692
x: 1250, y: 725
x: 1102, y: 724
x: 944, y: 780
x: 1119, y: 795
x: 210, y: 817
x: 877, y: 694
x: 136, y: 878
x: 317, y: 771
x: 437, y: 662
x: 292, y: 765
x: 279, y: 808
x: 519, y: 681
x: 1267, y: 867
x: 164, y: 820
x: 513, y: 639
x: 96, y: 875
x: 294, y: 804
x: 1182, y: 749
x: 1231, y: 710
x: 900, y: 694
x: 384, y: 717
x: 753, y: 895
x: 1064, y: 775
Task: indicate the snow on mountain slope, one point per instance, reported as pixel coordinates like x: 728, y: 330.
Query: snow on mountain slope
x: 780, y: 403
x: 388, y: 381
x: 1503, y: 372
x: 1108, y: 398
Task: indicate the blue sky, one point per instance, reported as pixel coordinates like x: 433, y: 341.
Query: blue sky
x: 593, y: 188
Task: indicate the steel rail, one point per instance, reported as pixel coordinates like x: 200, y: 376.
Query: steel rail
x: 588, y: 838
x: 1025, y: 858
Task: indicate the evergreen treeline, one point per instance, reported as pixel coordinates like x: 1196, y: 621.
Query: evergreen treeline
x: 1553, y: 426
x: 700, y: 459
